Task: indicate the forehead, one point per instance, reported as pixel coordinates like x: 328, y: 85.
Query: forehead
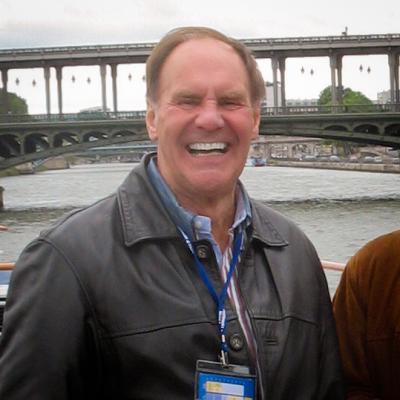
x: 204, y: 48
x: 201, y: 56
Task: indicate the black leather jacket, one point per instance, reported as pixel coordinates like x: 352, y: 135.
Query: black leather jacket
x: 108, y: 305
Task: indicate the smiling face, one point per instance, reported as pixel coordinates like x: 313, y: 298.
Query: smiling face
x: 203, y: 119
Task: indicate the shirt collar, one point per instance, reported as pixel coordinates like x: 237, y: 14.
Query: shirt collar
x: 187, y: 220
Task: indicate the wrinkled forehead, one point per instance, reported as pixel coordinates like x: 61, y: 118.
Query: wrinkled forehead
x: 204, y: 54
x: 203, y: 47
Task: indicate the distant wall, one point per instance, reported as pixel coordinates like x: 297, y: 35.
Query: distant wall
x: 393, y: 168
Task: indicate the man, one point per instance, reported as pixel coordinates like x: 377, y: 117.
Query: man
x: 178, y: 286
x: 367, y: 311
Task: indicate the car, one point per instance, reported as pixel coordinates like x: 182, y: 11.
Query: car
x: 395, y: 160
x: 334, y: 158
x: 368, y: 159
x: 353, y: 159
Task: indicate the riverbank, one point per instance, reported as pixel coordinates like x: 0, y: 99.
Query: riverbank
x: 367, y: 167
x: 54, y: 163
x: 363, y: 167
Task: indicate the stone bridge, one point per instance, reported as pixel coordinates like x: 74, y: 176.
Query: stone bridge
x: 33, y: 137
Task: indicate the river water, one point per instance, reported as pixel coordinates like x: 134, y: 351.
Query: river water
x: 338, y: 210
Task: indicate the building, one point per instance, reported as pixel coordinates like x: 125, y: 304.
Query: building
x: 269, y: 101
x: 301, y: 102
x: 383, y: 97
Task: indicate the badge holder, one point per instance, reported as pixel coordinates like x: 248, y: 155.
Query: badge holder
x: 215, y: 381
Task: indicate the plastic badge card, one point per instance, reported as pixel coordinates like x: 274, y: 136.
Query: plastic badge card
x: 214, y: 382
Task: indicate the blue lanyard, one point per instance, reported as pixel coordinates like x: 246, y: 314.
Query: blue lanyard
x: 219, y: 299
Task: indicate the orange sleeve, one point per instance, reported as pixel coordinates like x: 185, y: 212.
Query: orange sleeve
x: 350, y: 315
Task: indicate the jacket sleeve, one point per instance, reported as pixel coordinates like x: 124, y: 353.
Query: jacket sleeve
x: 48, y: 330
x: 350, y: 315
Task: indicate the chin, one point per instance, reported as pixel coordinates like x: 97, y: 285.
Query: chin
x: 211, y: 183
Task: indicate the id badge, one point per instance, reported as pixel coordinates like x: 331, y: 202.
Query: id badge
x: 215, y: 382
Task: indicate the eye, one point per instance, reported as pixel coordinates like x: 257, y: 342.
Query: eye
x: 188, y: 101
x: 231, y: 103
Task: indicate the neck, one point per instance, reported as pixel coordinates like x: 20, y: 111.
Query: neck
x: 220, y: 210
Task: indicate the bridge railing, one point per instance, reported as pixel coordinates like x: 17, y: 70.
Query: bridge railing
x: 322, y: 39
x: 81, y: 116
x: 140, y: 115
x: 329, y: 109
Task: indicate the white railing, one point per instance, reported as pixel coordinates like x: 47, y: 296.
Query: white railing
x: 8, y: 266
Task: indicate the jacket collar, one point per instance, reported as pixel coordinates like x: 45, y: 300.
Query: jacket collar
x: 143, y: 215
x: 266, y: 226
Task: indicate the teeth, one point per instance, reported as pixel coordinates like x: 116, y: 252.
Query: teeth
x: 217, y: 146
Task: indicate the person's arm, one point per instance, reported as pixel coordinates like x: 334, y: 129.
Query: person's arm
x: 350, y: 315
x: 47, y: 335
x: 331, y: 386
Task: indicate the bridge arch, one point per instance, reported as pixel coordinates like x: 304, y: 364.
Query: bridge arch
x: 10, y: 145
x: 367, y: 128
x: 340, y: 128
x: 94, y: 135
x: 36, y: 142
x: 393, y: 129
x: 123, y: 133
x: 65, y: 138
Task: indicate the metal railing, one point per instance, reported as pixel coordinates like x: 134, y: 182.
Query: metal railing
x: 251, y: 41
x: 335, y: 266
x: 324, y: 39
x: 6, y: 266
x: 330, y: 109
x: 82, y: 116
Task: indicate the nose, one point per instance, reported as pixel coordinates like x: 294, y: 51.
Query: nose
x: 209, y: 117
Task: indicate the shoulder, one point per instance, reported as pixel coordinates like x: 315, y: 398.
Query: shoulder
x: 83, y: 236
x: 267, y: 220
x: 375, y: 264
x: 378, y: 252
x: 84, y: 222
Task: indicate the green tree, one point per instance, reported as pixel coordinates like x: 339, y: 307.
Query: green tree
x: 16, y: 104
x: 354, y: 101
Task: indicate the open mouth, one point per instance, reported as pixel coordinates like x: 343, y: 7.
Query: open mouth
x: 207, y: 148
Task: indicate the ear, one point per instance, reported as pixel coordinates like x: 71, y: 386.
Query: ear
x: 151, y: 123
x: 256, y: 122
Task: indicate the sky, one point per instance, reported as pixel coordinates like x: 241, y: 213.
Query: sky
x: 25, y: 24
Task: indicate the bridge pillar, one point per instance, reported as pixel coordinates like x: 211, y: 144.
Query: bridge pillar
x: 396, y: 85
x: 4, y: 79
x: 333, y: 65
x: 22, y: 146
x: 393, y: 59
x: 396, y: 81
x: 103, y: 71
x: 339, y: 76
x: 59, y: 89
x: 282, y: 67
x: 47, y: 88
x: 274, y: 63
x: 114, y: 86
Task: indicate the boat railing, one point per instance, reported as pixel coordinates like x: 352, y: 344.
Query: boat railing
x: 330, y: 265
x: 6, y: 266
